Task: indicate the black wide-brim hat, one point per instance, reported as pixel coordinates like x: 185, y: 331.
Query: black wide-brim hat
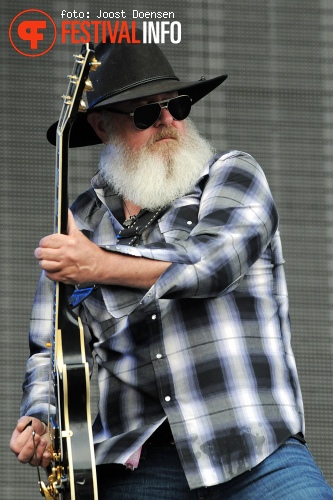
x: 129, y: 71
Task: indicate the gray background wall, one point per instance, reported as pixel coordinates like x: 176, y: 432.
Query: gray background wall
x: 276, y: 104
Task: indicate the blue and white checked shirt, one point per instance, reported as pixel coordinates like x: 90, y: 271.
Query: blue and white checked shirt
x: 208, y: 346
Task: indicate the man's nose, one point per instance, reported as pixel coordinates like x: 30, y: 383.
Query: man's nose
x: 165, y: 118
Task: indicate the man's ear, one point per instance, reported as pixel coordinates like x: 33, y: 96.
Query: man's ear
x: 97, y: 123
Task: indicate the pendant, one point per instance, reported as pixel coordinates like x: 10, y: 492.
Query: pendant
x: 128, y: 222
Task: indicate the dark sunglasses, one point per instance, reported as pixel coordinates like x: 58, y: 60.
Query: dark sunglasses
x: 147, y: 115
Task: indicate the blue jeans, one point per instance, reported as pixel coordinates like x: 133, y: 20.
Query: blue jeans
x: 288, y: 474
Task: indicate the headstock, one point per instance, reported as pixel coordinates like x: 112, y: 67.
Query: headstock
x: 79, y: 83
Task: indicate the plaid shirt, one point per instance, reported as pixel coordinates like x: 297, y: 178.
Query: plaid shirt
x: 208, y: 346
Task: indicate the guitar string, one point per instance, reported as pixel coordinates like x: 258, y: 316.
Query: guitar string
x: 36, y: 458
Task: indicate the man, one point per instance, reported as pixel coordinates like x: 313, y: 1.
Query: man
x: 199, y: 394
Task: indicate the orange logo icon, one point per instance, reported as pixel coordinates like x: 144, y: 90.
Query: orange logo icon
x: 32, y: 33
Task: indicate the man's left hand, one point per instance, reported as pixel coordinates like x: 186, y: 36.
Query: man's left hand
x: 70, y: 258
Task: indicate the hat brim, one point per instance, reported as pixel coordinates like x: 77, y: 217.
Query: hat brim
x: 82, y: 134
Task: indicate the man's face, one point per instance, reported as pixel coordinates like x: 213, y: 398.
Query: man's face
x: 154, y: 166
x: 135, y: 138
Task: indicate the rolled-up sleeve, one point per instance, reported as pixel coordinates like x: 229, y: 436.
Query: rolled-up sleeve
x: 37, y: 387
x: 237, y: 219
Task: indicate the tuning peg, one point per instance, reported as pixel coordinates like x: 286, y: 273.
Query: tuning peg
x: 72, y: 78
x: 88, y: 85
x: 82, y: 105
x: 94, y: 64
x: 67, y: 99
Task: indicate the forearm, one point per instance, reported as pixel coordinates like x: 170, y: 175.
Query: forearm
x: 123, y: 270
x: 74, y: 259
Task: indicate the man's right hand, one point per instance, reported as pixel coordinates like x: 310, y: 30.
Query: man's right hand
x: 28, y: 450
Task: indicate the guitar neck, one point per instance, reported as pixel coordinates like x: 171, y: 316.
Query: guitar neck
x: 74, y: 471
x: 61, y: 182
x: 72, y: 350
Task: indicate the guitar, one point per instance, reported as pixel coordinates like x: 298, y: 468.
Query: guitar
x: 72, y: 473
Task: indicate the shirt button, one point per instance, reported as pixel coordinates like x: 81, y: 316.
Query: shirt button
x: 167, y: 398
x: 153, y: 316
x: 189, y: 223
x: 158, y: 356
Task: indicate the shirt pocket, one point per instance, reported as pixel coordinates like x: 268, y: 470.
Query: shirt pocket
x: 178, y: 223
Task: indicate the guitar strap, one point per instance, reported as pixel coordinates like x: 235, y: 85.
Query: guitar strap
x: 130, y: 235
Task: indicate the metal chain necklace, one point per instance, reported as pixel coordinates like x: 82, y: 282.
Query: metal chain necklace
x: 131, y: 218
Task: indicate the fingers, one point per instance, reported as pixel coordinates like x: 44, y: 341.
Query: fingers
x: 30, y: 441
x: 48, y: 260
x: 72, y: 227
x: 70, y: 259
x: 35, y: 423
x: 41, y: 455
x: 56, y: 240
x: 53, y: 251
x: 52, y: 242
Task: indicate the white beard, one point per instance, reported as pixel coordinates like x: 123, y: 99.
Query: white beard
x: 158, y: 173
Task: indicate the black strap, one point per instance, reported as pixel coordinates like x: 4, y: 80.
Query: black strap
x: 131, y: 234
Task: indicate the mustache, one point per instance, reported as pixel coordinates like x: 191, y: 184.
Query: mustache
x: 164, y: 133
